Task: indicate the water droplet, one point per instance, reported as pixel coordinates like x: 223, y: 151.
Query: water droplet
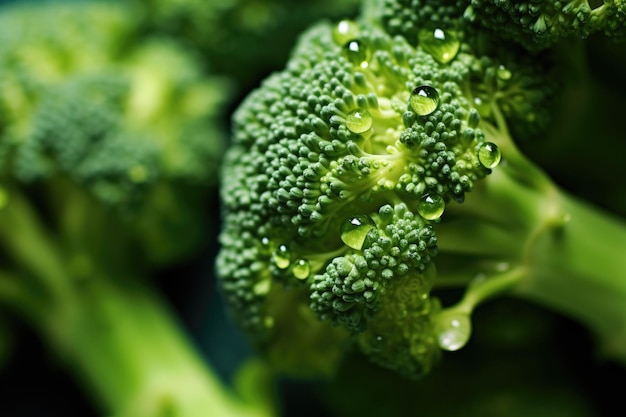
x: 489, y: 155
x: 266, y: 246
x: 282, y: 257
x: 503, y: 73
x: 262, y: 287
x: 431, y: 206
x: 354, y: 230
x: 359, y: 121
x: 357, y: 52
x: 301, y: 269
x: 424, y: 100
x: 454, y: 330
x: 4, y: 198
x: 483, y: 106
x: 442, y: 45
x: 345, y: 31
x: 376, y: 343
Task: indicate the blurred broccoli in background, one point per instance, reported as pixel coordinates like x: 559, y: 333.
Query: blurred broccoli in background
x: 245, y: 39
x: 110, y: 142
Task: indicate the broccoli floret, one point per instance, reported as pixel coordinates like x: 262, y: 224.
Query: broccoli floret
x: 540, y: 24
x: 533, y: 24
x: 366, y: 177
x: 110, y: 144
x: 343, y: 163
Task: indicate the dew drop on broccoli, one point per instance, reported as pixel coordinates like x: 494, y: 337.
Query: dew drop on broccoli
x: 357, y: 52
x: 431, y: 206
x: 489, y: 155
x: 301, y: 269
x: 355, y: 229
x: 282, y: 257
x: 359, y: 121
x: 424, y: 100
x: 442, y: 45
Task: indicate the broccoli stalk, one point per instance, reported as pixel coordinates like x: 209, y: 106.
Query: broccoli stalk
x: 518, y: 233
x: 109, y: 328
x: 109, y: 144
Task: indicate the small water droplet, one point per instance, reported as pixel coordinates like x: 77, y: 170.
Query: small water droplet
x: 443, y: 45
x: 265, y: 247
x: 282, y: 257
x: 376, y: 343
x: 357, y: 52
x: 262, y: 287
x: 301, y: 269
x: 454, y: 330
x: 489, y: 155
x: 483, y: 107
x: 503, y: 73
x: 344, y: 31
x: 354, y: 230
x: 359, y: 121
x: 431, y: 206
x: 424, y: 100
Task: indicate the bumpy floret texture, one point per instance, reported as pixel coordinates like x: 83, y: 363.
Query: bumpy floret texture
x: 351, y: 288
x: 408, y: 17
x: 540, y: 24
x: 339, y: 167
x: 533, y: 24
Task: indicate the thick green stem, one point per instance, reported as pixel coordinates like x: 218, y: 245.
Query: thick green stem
x: 113, y: 332
x: 580, y: 270
x: 122, y: 341
x: 571, y: 254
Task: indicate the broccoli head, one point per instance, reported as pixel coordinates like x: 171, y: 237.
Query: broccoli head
x: 365, y: 180
x: 341, y: 167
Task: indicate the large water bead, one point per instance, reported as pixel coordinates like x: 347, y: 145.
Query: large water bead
x: 424, y: 100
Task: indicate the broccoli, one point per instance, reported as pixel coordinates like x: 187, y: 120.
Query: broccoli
x: 228, y: 33
x: 109, y: 147
x: 382, y: 167
x: 535, y: 25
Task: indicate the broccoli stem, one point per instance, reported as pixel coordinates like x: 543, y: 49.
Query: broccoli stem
x: 580, y: 270
x: 111, y: 330
x: 570, y: 254
x: 124, y: 343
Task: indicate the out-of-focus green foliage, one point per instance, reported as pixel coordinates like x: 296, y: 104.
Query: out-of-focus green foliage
x: 132, y: 122
x: 244, y: 39
x: 110, y: 144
